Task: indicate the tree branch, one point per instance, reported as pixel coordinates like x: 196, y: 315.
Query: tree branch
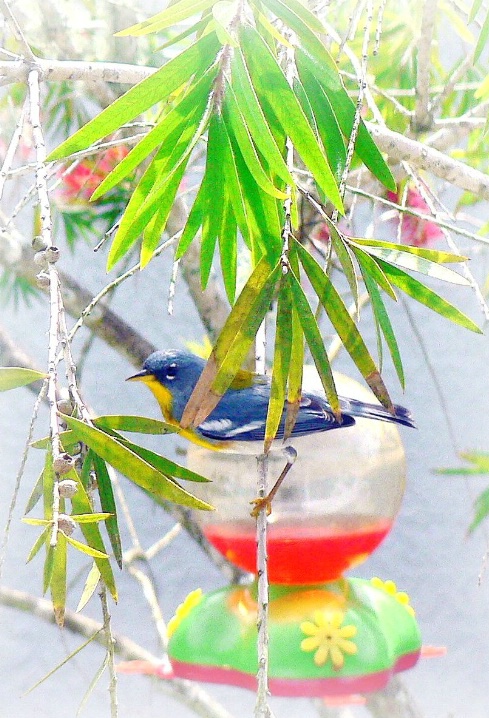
x: 186, y: 692
x: 399, y: 148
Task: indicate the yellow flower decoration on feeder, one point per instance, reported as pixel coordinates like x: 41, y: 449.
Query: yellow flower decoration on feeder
x: 328, y: 638
x: 193, y: 598
x: 390, y: 588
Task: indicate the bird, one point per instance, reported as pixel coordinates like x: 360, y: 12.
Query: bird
x: 240, y: 416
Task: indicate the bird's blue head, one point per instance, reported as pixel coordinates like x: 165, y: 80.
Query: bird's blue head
x: 171, y: 376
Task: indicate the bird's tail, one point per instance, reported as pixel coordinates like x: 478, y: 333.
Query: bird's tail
x: 363, y: 410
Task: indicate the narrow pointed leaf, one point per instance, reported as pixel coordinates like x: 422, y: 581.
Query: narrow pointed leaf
x: 344, y: 110
x: 84, y: 548
x: 476, y: 6
x: 345, y: 259
x: 482, y: 40
x: 344, y: 325
x: 480, y: 459
x: 132, y: 466
x: 194, y: 220
x: 266, y: 73
x: 237, y: 125
x: 48, y: 565
x: 281, y: 364
x: 383, y: 322
x: 89, y: 588
x: 58, y: 579
x: 81, y: 504
x: 315, y: 342
x: 90, y: 518
x: 156, y: 88
x: 295, y: 14
x: 175, y: 13
x: 39, y: 543
x: 107, y: 502
x: 415, y: 263
x: 12, y: 377
x: 481, y: 510
x: 296, y: 365
x: 192, y: 104
x: 233, y: 185
x: 224, y: 13
x: 48, y: 484
x: 36, y: 494
x: 369, y: 266
x: 138, y: 424
x: 433, y: 255
x: 228, y: 249
x: 326, y: 122
x: 166, y: 466
x: 232, y: 344
x: 426, y: 296
x: 214, y: 199
x: 255, y: 119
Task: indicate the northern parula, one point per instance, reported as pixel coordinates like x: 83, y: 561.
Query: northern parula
x: 241, y: 414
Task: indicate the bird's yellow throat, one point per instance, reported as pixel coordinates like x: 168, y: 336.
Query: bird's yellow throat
x: 161, y: 394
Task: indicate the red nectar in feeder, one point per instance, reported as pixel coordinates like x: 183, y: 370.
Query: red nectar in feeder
x: 302, y: 553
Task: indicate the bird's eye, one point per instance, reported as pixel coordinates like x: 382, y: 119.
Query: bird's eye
x: 171, y: 371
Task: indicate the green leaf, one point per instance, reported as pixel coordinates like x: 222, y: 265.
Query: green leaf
x: 266, y: 73
x: 295, y: 14
x: 482, y: 40
x: 369, y: 266
x: 237, y: 126
x: 89, y: 588
x: 12, y: 377
x: 233, y: 343
x: 68, y: 441
x: 344, y: 256
x: 39, y: 542
x: 228, y: 249
x: 481, y: 510
x: 84, y: 548
x: 90, y: 518
x: 166, y: 466
x: 211, y: 220
x: 255, y: 120
x: 414, y: 262
x: 476, y: 6
x: 48, y: 484
x: 326, y: 122
x: 36, y: 494
x: 172, y: 15
x: 36, y: 522
x: 426, y: 296
x: 48, y: 565
x: 281, y: 364
x: 233, y: 187
x: 194, y: 220
x: 58, y: 579
x: 344, y: 325
x: 132, y: 466
x: 433, y: 255
x: 314, y: 341
x: 344, y: 110
x: 138, y: 424
x: 225, y: 13
x: 480, y: 459
x: 156, y: 88
x: 107, y: 502
x: 192, y: 105
x: 81, y: 504
x: 382, y: 321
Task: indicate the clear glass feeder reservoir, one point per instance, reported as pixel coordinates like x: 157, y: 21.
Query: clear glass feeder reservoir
x: 336, y: 505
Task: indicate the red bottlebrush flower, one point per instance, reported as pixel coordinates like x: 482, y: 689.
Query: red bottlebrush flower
x: 415, y: 231
x: 79, y: 184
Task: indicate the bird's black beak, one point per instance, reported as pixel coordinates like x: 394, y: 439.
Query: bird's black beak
x: 140, y: 376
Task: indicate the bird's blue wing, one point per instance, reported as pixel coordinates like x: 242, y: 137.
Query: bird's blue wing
x: 241, y: 416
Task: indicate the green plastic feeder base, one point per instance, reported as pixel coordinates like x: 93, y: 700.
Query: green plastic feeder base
x: 347, y: 636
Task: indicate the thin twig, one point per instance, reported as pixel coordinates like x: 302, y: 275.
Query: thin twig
x: 12, y: 148
x: 262, y: 709
x: 110, y: 646
x: 16, y: 31
x: 423, y: 118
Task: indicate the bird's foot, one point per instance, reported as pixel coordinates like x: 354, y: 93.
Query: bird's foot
x: 261, y: 503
